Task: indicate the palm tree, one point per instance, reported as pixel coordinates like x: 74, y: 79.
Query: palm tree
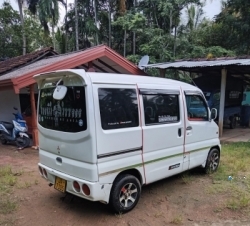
x: 47, y: 10
x: 194, y: 17
x: 20, y: 3
x: 76, y: 26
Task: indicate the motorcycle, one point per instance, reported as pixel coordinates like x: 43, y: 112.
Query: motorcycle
x: 15, y: 131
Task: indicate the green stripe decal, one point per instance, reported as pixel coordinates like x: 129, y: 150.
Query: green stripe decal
x: 149, y: 162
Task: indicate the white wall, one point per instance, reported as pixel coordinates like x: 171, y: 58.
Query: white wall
x: 8, y: 100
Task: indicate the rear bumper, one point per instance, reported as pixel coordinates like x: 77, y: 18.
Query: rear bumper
x: 98, y: 192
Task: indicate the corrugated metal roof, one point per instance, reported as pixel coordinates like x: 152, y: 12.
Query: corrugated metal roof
x: 199, y: 64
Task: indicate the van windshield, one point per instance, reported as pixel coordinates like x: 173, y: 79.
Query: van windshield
x: 68, y: 114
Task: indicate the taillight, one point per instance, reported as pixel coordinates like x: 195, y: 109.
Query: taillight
x: 76, y: 186
x: 85, y: 189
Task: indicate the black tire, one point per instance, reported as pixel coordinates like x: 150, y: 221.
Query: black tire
x: 125, y: 193
x: 3, y: 141
x: 23, y: 142
x: 213, y: 161
x: 233, y: 123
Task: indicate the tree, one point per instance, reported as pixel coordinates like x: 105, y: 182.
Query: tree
x: 47, y: 11
x: 235, y: 17
x: 11, y: 32
x: 22, y: 22
x: 76, y: 25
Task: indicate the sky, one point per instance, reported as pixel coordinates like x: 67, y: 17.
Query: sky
x: 212, y: 7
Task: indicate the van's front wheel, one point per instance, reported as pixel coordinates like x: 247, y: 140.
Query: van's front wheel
x: 125, y: 193
x: 213, y: 161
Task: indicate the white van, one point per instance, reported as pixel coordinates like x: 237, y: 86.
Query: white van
x: 103, y: 136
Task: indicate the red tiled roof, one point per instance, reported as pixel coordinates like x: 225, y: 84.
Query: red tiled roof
x: 102, y: 58
x: 19, y: 61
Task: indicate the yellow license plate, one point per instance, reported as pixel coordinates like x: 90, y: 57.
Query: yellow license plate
x: 60, y: 184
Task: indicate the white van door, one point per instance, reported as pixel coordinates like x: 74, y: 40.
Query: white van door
x: 118, y: 130
x: 201, y: 133
x: 163, y: 130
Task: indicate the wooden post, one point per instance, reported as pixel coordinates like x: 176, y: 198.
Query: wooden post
x: 34, y: 117
x: 90, y: 64
x: 162, y: 73
x: 222, y: 99
x: 91, y: 68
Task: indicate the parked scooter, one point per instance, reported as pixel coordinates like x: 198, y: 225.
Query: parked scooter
x: 15, y: 131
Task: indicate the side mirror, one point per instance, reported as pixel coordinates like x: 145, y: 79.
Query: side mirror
x: 213, y: 114
x: 60, y: 92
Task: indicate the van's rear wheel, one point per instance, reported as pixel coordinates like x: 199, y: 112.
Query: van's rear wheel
x: 213, y: 161
x: 125, y: 193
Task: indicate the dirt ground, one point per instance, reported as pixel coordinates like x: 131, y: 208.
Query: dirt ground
x: 182, y: 199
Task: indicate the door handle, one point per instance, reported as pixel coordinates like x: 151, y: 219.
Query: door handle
x: 189, y: 128
x: 179, y: 132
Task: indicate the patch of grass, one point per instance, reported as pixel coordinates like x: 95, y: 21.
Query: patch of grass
x: 7, y: 205
x: 238, y: 203
x: 119, y: 215
x: 235, y: 162
x: 7, y: 179
x: 187, y: 178
x: 6, y: 170
x: 218, y: 210
x: 176, y: 220
x: 24, y: 185
x: 8, y: 221
x: 159, y: 214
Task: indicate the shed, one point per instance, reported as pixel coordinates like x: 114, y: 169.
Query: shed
x: 238, y: 67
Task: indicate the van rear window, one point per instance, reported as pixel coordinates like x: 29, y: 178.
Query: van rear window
x: 118, y: 108
x: 66, y: 115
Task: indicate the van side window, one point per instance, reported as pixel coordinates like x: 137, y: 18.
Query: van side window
x: 118, y: 108
x: 161, y: 108
x: 196, y: 108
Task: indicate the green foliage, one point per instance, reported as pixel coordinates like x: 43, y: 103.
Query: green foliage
x: 11, y: 33
x: 46, y: 10
x: 218, y: 51
x: 134, y: 58
x: 164, y: 29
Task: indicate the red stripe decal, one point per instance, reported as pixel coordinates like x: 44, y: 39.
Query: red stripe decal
x: 139, y: 103
x: 184, y: 112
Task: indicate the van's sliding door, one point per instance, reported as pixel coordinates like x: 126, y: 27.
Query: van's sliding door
x: 163, y: 130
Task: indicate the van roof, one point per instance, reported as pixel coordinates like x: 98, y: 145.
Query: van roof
x: 133, y: 79
x: 111, y: 78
